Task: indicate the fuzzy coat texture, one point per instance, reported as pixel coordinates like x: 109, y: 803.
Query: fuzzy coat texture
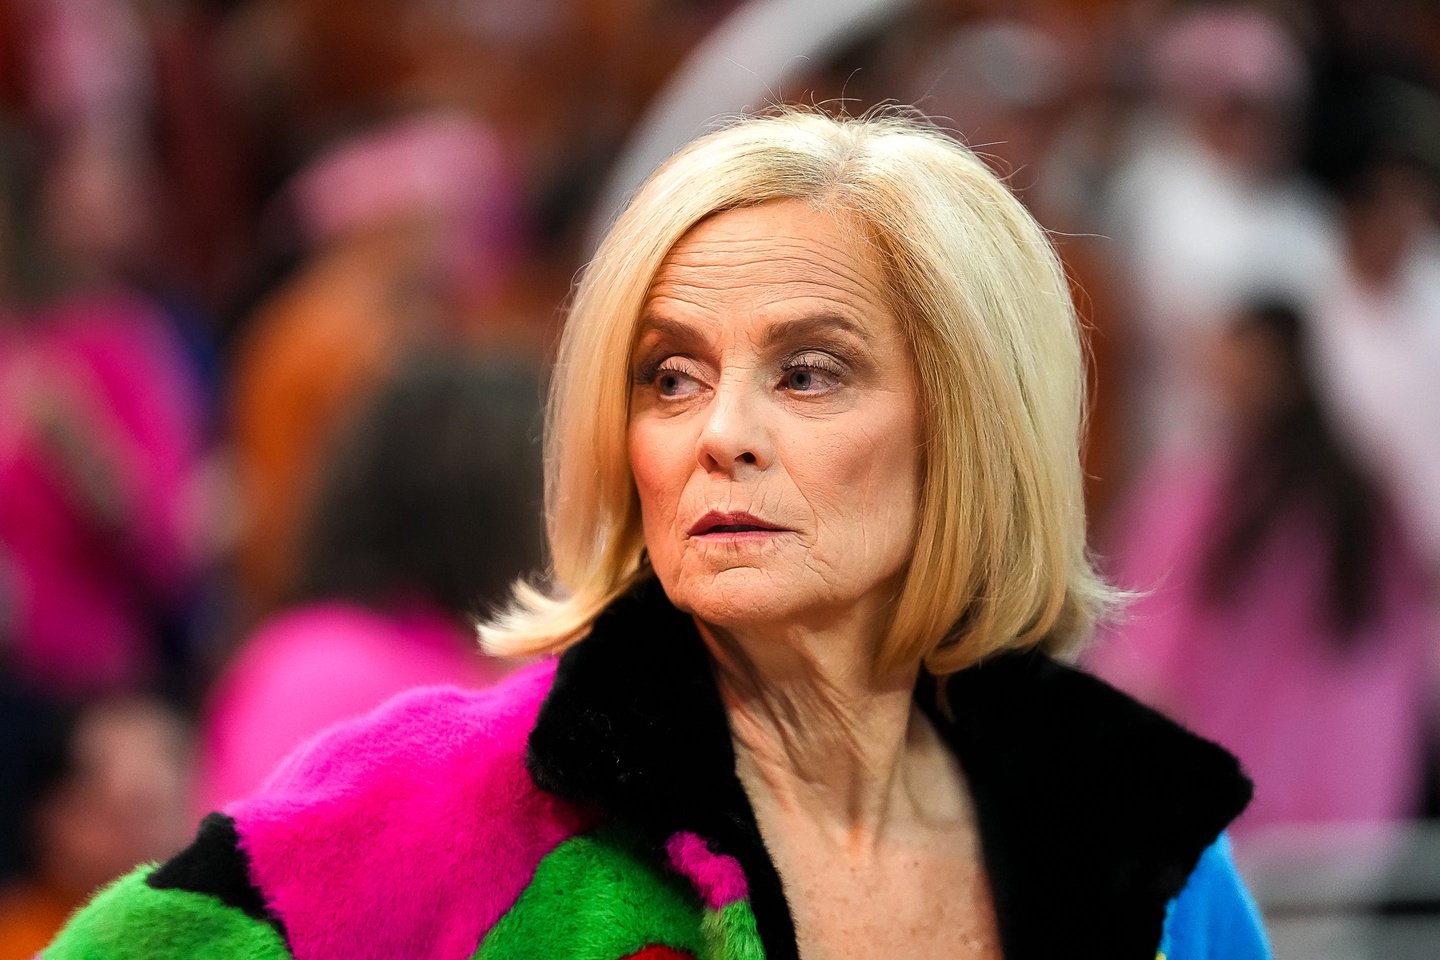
x: 588, y: 808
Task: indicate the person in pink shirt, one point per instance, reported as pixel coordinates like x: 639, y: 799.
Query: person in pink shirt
x: 429, y: 509
x: 1281, y: 610
x: 99, y: 448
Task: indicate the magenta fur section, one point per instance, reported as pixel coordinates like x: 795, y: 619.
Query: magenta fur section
x: 410, y: 832
x: 717, y: 877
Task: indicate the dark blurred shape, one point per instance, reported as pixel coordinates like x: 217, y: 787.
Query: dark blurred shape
x: 33, y: 730
x: 1371, y: 120
x: 11, y: 74
x: 204, y: 162
x: 434, y: 494
x: 428, y: 509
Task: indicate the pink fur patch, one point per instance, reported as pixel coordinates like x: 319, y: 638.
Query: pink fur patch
x: 718, y: 878
x: 410, y: 832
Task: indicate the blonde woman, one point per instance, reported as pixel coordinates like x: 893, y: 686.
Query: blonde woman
x: 814, y: 507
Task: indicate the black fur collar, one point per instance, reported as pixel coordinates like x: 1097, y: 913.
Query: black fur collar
x: 1093, y: 809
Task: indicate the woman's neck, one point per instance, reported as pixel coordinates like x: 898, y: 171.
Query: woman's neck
x: 818, y: 731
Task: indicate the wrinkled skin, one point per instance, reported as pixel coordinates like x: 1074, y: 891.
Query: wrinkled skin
x: 771, y: 377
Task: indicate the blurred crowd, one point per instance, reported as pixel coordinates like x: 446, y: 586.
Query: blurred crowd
x: 278, y: 279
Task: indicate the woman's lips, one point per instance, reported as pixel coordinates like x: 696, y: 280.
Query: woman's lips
x: 729, y: 525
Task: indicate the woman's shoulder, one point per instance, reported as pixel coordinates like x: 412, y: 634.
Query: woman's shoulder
x: 1214, y: 915
x: 415, y: 731
x: 1098, y: 806
x: 365, y: 834
x: 371, y: 827
x: 327, y: 662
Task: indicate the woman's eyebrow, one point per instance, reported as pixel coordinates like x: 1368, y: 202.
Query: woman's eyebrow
x: 654, y: 324
x: 801, y: 327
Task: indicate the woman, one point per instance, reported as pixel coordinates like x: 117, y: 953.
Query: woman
x: 812, y: 445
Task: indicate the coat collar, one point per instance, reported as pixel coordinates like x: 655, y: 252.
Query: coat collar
x: 1093, y: 809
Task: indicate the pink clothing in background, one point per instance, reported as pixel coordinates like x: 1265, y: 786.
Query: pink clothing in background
x: 101, y: 435
x: 314, y: 666
x: 1329, y: 734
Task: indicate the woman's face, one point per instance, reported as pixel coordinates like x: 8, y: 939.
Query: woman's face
x: 774, y: 426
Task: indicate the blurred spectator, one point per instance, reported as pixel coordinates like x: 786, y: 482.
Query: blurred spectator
x: 1283, y: 613
x: 1004, y: 86
x: 97, y: 449
x: 87, y: 66
x: 1208, y: 209
x: 1379, y: 330
x: 105, y: 788
x: 105, y: 418
x: 426, y: 515
x: 406, y: 222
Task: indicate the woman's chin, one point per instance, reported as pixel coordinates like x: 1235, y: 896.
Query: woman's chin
x: 738, y: 598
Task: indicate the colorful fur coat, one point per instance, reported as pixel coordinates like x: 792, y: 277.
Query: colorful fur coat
x: 588, y: 809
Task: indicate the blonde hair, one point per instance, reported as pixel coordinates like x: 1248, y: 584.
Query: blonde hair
x: 1000, y: 557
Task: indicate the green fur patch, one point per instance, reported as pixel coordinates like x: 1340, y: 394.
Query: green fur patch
x: 730, y: 933
x: 597, y: 897
x: 129, y: 920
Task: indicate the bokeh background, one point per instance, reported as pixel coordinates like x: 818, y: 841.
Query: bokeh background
x: 279, y: 281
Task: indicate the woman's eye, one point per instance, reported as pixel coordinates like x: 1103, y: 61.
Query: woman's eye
x: 674, y: 380
x: 808, y: 378
x: 674, y: 384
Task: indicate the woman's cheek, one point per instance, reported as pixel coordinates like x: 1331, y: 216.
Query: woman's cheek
x: 658, y: 463
x: 651, y: 453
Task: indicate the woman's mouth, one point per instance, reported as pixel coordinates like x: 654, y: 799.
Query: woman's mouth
x: 731, y: 525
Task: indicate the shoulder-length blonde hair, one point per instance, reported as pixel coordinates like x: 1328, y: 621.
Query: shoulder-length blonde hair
x: 999, y: 558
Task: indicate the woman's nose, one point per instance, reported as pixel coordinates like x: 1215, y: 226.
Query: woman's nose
x: 733, y: 436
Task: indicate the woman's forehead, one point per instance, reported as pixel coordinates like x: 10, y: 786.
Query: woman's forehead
x: 799, y: 226
x: 770, y: 256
